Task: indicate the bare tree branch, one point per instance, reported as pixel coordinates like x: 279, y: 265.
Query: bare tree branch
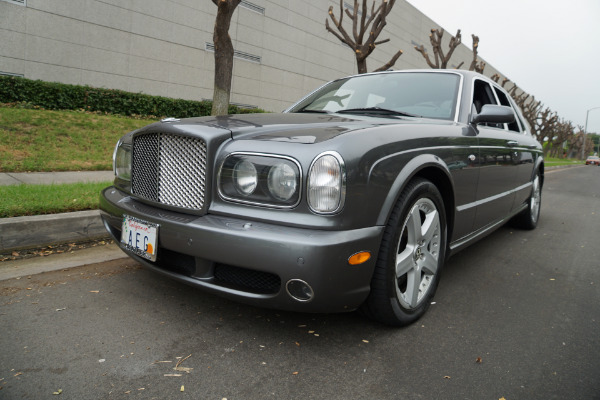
x: 476, y: 66
x: 441, y: 58
x: 362, y: 22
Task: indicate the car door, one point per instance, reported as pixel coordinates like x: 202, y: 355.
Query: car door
x: 498, y: 163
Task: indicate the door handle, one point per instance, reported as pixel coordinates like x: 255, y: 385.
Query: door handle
x: 512, y: 143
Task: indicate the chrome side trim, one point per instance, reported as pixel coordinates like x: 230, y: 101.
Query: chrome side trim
x: 492, y: 198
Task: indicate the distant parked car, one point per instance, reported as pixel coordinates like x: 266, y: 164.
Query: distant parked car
x: 352, y: 198
x: 592, y: 160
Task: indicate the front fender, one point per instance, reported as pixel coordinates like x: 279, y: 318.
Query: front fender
x: 427, y: 165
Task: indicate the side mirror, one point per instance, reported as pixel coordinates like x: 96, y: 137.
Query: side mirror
x: 491, y: 113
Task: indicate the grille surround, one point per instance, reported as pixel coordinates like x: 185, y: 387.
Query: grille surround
x: 170, y: 170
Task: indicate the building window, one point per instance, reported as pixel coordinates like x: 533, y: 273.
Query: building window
x: 237, y: 54
x: 253, y: 7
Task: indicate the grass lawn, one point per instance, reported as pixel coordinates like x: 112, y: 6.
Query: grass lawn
x: 20, y: 200
x: 552, y: 162
x: 44, y: 140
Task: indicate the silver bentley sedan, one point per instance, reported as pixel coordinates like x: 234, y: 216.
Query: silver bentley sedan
x: 353, y: 198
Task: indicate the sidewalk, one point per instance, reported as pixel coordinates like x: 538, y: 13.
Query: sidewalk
x: 36, y: 178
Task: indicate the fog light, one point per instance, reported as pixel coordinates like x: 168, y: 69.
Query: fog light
x: 359, y: 258
x: 299, y: 290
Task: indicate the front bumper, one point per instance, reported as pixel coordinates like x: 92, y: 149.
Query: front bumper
x: 252, y: 262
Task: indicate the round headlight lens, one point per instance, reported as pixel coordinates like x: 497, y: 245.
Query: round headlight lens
x: 245, y: 177
x: 282, y: 181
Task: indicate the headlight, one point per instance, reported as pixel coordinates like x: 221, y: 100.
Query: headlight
x: 326, y: 183
x: 122, y: 161
x: 245, y: 178
x: 260, y: 179
x: 282, y: 181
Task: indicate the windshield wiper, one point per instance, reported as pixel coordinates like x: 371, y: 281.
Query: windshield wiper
x: 376, y: 110
x: 304, y: 110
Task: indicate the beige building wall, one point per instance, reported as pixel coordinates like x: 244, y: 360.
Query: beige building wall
x: 162, y: 47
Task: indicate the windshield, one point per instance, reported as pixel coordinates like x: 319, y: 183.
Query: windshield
x: 421, y: 94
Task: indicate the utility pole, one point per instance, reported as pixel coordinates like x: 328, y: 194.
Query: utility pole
x: 587, y: 114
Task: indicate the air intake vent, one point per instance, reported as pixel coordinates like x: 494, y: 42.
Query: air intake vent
x: 253, y: 7
x: 237, y: 54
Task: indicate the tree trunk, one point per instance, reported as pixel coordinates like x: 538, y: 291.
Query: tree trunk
x: 223, y: 56
x: 362, y: 65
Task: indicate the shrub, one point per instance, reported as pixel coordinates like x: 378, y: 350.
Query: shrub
x: 60, y: 96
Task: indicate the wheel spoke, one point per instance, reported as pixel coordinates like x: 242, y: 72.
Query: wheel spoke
x: 430, y: 264
x: 412, y: 288
x: 404, y: 261
x: 430, y: 225
x: 413, y: 226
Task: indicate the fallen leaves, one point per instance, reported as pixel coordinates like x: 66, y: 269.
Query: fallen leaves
x: 49, y: 250
x: 59, y: 391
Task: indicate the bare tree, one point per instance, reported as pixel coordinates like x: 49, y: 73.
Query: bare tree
x: 223, y: 56
x: 441, y: 59
x: 475, y: 65
x: 546, y: 125
x: 363, y: 24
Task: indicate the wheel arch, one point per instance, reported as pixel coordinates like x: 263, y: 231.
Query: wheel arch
x: 433, y: 169
x: 540, y: 166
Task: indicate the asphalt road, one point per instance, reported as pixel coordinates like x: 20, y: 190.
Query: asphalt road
x: 526, y: 305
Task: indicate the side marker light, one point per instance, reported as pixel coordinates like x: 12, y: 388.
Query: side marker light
x: 359, y: 258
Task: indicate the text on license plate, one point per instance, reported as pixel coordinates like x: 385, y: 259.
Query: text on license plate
x: 139, y: 236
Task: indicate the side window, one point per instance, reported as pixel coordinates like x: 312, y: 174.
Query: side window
x: 513, y: 126
x: 482, y: 95
x: 524, y: 126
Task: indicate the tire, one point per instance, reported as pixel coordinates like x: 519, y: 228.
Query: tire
x: 410, y: 258
x: 528, y: 218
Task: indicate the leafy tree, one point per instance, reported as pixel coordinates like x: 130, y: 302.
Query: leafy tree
x: 363, y: 24
x: 223, y: 56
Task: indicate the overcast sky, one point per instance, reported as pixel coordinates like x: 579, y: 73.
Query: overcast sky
x: 550, y: 49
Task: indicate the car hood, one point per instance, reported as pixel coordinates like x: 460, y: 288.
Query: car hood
x: 292, y: 127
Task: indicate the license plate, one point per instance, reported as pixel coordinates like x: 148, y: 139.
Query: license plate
x: 140, y: 237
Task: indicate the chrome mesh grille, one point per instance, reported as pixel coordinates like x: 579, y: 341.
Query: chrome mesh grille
x: 169, y: 169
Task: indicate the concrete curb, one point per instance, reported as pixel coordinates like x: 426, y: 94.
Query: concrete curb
x: 57, y: 262
x: 43, y: 230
